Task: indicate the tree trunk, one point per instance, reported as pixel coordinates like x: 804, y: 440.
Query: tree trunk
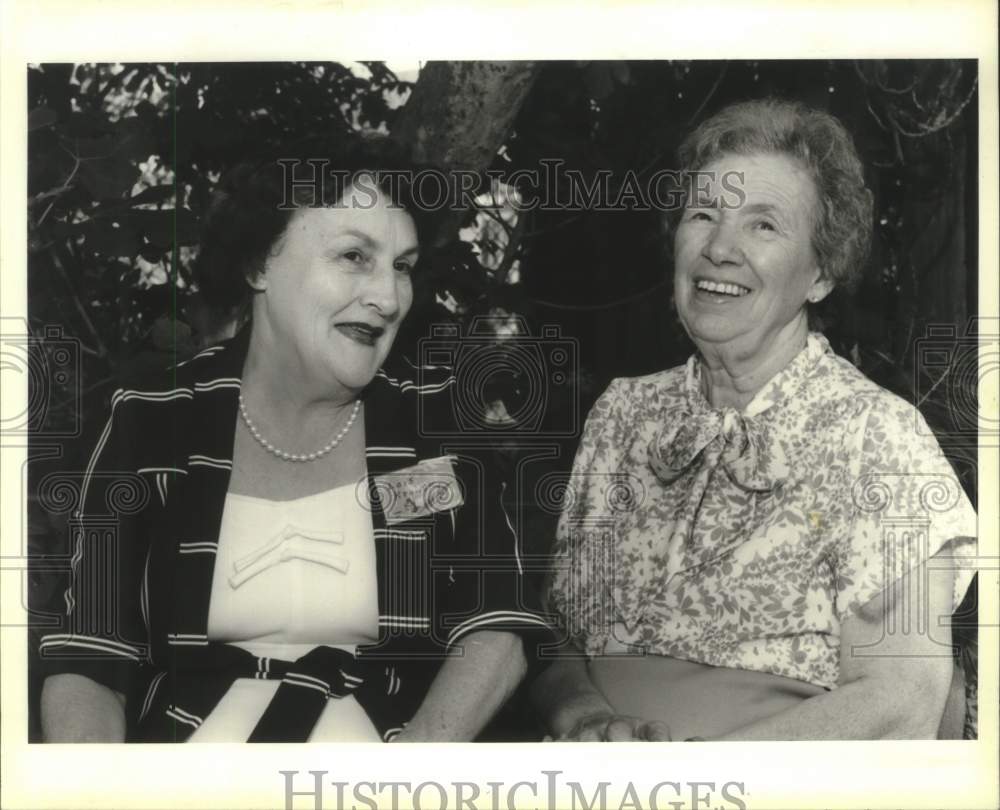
x: 460, y: 112
x: 458, y: 117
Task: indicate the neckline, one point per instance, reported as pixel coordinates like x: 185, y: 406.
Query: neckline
x: 771, y: 392
x: 239, y: 496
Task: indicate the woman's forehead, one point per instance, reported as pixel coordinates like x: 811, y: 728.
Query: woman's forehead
x: 365, y: 214
x: 764, y: 179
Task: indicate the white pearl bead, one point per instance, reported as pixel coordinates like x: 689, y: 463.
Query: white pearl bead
x: 297, y: 457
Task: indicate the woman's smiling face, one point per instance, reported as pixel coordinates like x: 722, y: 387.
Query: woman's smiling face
x: 744, y: 272
x: 336, y: 288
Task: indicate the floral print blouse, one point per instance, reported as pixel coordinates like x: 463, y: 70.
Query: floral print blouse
x: 744, y: 540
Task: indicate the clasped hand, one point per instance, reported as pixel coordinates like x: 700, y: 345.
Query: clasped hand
x: 610, y: 727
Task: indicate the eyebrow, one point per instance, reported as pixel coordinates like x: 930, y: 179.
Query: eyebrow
x: 761, y: 208
x: 370, y: 243
x: 706, y: 200
x: 775, y: 211
x: 358, y: 235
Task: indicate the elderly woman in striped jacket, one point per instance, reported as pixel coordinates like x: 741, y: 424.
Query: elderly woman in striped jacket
x: 299, y: 561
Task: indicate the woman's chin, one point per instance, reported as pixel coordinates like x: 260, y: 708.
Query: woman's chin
x: 354, y: 365
x: 350, y: 372
x: 716, y: 331
x: 355, y: 379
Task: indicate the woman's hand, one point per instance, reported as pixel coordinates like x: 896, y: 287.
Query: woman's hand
x: 469, y: 688
x: 78, y: 709
x: 574, y: 709
x: 610, y: 727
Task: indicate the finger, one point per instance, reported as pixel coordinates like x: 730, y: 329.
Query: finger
x: 654, y: 731
x: 575, y: 734
x: 589, y: 734
x: 619, y: 731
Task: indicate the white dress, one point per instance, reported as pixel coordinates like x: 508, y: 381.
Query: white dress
x: 285, y: 582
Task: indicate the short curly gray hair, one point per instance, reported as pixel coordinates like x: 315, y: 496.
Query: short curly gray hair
x: 842, y: 232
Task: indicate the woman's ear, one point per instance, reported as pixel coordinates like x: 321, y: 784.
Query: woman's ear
x: 257, y: 281
x: 820, y: 289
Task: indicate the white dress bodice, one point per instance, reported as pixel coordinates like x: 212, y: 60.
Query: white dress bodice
x: 289, y: 576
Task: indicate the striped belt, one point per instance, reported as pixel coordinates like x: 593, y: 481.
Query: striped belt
x: 178, y: 701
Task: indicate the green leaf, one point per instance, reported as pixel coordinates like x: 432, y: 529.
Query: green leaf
x: 151, y: 253
x: 86, y: 124
x: 133, y: 139
x: 41, y: 117
x: 164, y: 228
x: 153, y: 194
x: 108, y: 178
x: 103, y: 237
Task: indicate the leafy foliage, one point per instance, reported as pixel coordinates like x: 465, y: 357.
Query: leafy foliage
x: 122, y: 160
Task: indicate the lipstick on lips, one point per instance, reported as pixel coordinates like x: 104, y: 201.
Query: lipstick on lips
x: 360, y: 332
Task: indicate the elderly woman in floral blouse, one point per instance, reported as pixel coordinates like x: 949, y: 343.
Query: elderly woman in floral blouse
x: 759, y: 543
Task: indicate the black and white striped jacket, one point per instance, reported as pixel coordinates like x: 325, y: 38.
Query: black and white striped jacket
x: 144, y: 540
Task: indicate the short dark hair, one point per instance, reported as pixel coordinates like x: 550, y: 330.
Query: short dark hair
x: 252, y: 205
x: 842, y: 232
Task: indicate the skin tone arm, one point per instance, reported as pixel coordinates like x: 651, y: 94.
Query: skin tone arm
x: 465, y: 695
x: 469, y: 689
x: 898, y: 690
x: 467, y: 692
x: 78, y: 709
x: 574, y: 709
x: 895, y: 691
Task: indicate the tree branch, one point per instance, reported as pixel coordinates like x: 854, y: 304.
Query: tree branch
x: 596, y: 307
x: 102, y: 350
x: 513, y: 249
x: 711, y: 92
x: 64, y: 187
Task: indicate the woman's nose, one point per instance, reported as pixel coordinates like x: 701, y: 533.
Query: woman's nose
x: 723, y: 245
x: 381, y: 292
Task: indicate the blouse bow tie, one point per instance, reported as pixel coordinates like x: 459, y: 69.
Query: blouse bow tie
x: 742, y: 445
x: 291, y: 542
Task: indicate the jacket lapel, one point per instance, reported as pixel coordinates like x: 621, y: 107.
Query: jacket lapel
x: 208, y: 425
x: 401, y: 555
x: 197, y: 514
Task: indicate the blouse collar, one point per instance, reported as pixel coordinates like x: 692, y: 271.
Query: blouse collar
x: 780, y: 387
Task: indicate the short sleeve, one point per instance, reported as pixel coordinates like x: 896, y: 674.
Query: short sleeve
x: 578, y: 588
x: 101, y: 633
x: 907, y: 506
x: 488, y: 586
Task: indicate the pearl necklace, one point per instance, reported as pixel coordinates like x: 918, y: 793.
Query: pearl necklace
x: 298, y: 456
